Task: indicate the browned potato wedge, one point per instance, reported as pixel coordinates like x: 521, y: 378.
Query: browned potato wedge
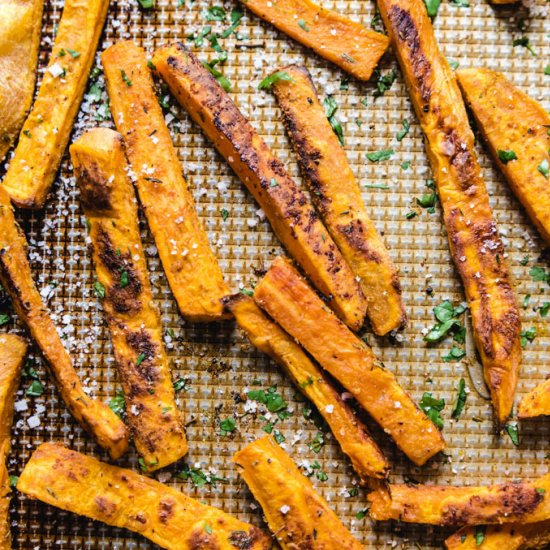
x: 537, y: 402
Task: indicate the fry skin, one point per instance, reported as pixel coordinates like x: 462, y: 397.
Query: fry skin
x: 110, y: 206
x: 291, y: 215
x: 510, y: 120
x: 46, y: 131
x: 352, y: 435
x: 116, y: 496
x: 15, y: 276
x: 296, y: 514
x: 348, y: 44
x: 337, y: 198
x: 537, y: 402
x: 191, y: 268
x: 287, y: 298
x: 475, y: 244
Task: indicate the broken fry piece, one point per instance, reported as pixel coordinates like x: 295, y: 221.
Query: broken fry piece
x: 354, y: 439
x: 287, y: 298
x: 116, y: 496
x: 515, y: 128
x: 348, y: 44
x: 291, y: 215
x: 15, y: 276
x: 537, y: 402
x: 191, y: 268
x: 337, y: 197
x: 110, y: 206
x: 475, y: 244
x: 46, y: 131
x: 296, y: 514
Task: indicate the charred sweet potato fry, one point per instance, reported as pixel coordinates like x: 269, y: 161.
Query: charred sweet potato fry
x: 83, y: 485
x: 296, y: 514
x: 287, y: 298
x: 525, y: 502
x: 476, y: 247
x: 191, y: 268
x: 515, y: 128
x: 337, y: 197
x: 291, y: 215
x: 109, y: 203
x: 46, y: 131
x: 354, y: 439
x: 12, y: 352
x: 15, y: 276
x: 537, y: 402
x: 348, y: 44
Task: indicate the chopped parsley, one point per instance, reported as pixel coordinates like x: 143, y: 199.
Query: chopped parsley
x: 376, y: 186
x: 405, y: 165
x: 27, y: 133
x: 428, y: 200
x: 35, y: 389
x: 236, y: 16
x: 99, y: 289
x: 303, y: 25
x: 330, y: 105
x: 317, y: 443
x: 447, y: 317
x: 277, y: 76
x: 526, y: 301
x: 480, y: 534
x: 410, y: 215
x: 228, y: 425
x: 544, y: 169
x: 13, y: 480
x: 460, y: 3
x: 200, y: 478
x: 147, y: 4
x: 223, y: 81
x: 402, y: 133
x: 433, y: 407
x: 118, y: 403
x: 527, y: 336
x: 124, y: 281
x: 505, y: 156
x: 208, y: 528
x: 74, y: 54
x: 224, y: 214
x: 384, y: 82
x: 539, y: 274
x: 273, y: 401
x: 543, y: 310
x: 140, y: 359
x: 453, y: 64
x: 4, y: 319
x: 180, y: 385
x: 125, y: 78
x: 512, y: 431
x: 455, y: 354
x: 432, y: 7
x: 460, y: 400
x: 215, y: 13
x: 361, y: 514
x: 377, y: 156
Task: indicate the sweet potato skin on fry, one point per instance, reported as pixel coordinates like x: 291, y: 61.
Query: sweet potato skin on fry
x: 191, y: 268
x: 510, y: 120
x: 537, y: 402
x: 278, y: 485
x: 291, y: 215
x: 286, y: 297
x: 83, y: 485
x: 46, y: 131
x: 476, y: 247
x: 338, y: 200
x: 354, y: 439
x: 15, y: 276
x: 348, y: 44
x: 110, y: 206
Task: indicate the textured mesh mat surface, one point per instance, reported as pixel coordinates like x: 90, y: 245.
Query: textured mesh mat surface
x: 216, y: 361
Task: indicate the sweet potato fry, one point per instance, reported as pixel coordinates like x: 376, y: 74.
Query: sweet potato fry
x: 117, y: 496
x: 348, y: 44
x: 537, y: 402
x: 525, y: 502
x: 12, y: 352
x: 296, y: 514
x: 354, y: 439
x: 475, y: 244
x: 286, y: 297
x: 513, y: 125
x: 191, y: 268
x: 46, y: 131
x: 15, y: 276
x: 109, y: 203
x: 291, y: 215
x: 338, y: 200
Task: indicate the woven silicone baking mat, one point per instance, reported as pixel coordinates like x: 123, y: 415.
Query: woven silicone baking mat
x: 216, y: 361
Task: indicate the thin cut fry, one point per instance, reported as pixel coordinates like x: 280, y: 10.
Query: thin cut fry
x: 476, y: 247
x: 286, y: 297
x: 338, y: 200
x: 352, y: 435
x: 110, y: 207
x: 348, y: 44
x: 296, y: 514
x: 46, y: 131
x: 511, y: 121
x: 117, y: 496
x: 291, y: 215
x: 537, y: 402
x: 191, y: 268
x: 15, y: 276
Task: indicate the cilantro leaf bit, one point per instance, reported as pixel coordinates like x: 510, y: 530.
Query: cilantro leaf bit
x: 383, y: 82
x: 512, y: 431
x: 547, y: 70
x: 447, y: 315
x: 506, y: 155
x: 330, y: 105
x: 480, y: 534
x: 377, y: 156
x: 460, y: 400
x: 544, y: 168
x: 235, y: 16
x: 125, y: 78
x: 432, y: 7
x: 317, y: 443
x: 180, y: 385
x: 13, y: 481
x: 99, y: 290
x: 35, y: 389
x: 524, y: 43
x: 228, y: 425
x: 124, y: 281
x: 118, y: 403
x: 527, y: 335
x: 215, y: 13
x: 402, y: 133
x: 433, y: 407
x: 224, y: 214
x: 539, y: 274
x: 455, y: 354
x: 362, y: 513
x: 147, y: 4
x: 273, y: 401
x: 200, y: 478
x: 460, y: 3
x: 303, y: 25
x: 223, y: 81
x: 428, y: 200
x: 273, y: 78
x: 4, y: 319
x: 543, y: 310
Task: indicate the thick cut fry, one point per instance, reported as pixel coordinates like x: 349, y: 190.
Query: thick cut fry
x: 338, y: 200
x: 110, y: 207
x: 291, y: 215
x: 537, y: 402
x: 296, y: 514
x: 476, y: 247
x: 510, y: 502
x: 15, y: 276
x: 511, y: 121
x: 12, y: 352
x: 20, y: 25
x: 46, y: 131
x: 191, y: 268
x: 116, y: 496
x: 354, y: 439
x: 348, y: 44
x: 286, y: 297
